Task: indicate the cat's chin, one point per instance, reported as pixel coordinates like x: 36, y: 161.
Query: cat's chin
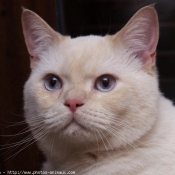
x: 74, y: 129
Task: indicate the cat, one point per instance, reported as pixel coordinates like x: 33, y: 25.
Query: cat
x: 93, y: 103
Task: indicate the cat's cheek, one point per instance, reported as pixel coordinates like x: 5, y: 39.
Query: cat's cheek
x: 44, y: 98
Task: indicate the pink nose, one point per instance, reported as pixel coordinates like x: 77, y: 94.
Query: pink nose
x: 73, y: 104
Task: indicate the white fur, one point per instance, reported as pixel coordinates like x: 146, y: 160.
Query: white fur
x: 126, y: 131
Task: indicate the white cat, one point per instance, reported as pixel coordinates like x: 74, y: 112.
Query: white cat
x: 93, y: 103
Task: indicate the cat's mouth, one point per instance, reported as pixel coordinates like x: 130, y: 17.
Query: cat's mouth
x: 74, y: 124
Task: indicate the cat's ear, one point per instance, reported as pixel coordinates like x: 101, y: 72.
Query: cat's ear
x: 39, y: 36
x: 140, y: 36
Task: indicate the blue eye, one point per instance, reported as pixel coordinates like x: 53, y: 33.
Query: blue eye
x: 52, y: 83
x: 105, y: 83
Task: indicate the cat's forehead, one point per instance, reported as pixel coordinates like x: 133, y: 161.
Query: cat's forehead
x: 81, y: 47
x: 83, y: 54
x: 85, y: 57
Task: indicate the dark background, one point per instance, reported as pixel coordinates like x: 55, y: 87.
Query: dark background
x: 69, y: 17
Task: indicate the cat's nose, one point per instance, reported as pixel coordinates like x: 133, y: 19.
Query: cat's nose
x: 73, y: 104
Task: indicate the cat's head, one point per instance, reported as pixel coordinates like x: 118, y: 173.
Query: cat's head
x: 92, y: 87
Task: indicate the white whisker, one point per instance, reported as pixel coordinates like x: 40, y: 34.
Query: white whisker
x: 103, y: 142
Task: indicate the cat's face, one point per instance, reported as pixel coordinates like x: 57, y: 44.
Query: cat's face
x: 93, y: 87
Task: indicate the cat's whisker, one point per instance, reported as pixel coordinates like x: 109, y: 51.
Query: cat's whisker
x: 52, y: 145
x: 122, y: 136
x: 15, y: 145
x: 96, y: 94
x: 103, y: 142
x: 137, y: 141
x: 27, y: 145
x: 19, y: 115
x: 129, y: 128
x: 98, y: 123
x: 11, y: 145
x: 100, y: 114
x: 91, y: 119
x: 97, y: 144
x: 29, y: 138
x: 86, y: 143
x: 116, y: 135
x: 118, y: 122
x: 14, y: 125
x: 25, y: 130
x: 50, y: 115
x: 22, y: 122
x: 108, y: 142
x: 55, y: 117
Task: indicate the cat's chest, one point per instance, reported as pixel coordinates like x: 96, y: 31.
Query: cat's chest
x: 138, y: 161
x: 110, y: 162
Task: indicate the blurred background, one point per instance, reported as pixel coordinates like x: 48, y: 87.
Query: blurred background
x: 69, y: 17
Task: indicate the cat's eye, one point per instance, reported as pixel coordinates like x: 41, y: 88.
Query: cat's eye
x: 52, y: 83
x: 105, y: 83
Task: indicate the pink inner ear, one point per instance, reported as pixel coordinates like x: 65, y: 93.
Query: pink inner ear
x: 38, y: 34
x: 140, y: 35
x: 30, y: 43
x: 33, y: 61
x: 150, y: 50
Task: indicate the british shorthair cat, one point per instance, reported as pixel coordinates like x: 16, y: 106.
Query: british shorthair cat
x: 93, y: 103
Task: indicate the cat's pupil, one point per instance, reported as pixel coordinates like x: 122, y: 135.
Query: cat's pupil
x: 53, y: 81
x: 105, y: 82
